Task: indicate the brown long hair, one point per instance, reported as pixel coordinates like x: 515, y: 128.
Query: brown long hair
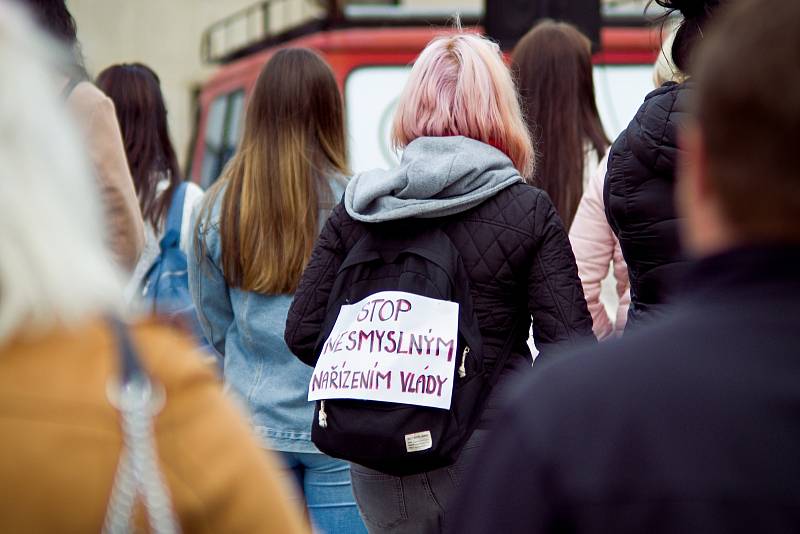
x: 553, y: 64
x: 136, y: 92
x: 278, y: 180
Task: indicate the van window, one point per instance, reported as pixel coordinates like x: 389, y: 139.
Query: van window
x: 221, y: 135
x: 371, y: 95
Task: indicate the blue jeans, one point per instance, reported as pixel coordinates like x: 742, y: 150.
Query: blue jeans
x: 325, y: 484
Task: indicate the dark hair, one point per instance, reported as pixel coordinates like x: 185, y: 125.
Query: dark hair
x: 748, y: 109
x: 553, y: 65
x: 136, y: 92
x: 278, y: 181
x: 54, y: 17
x: 696, y: 15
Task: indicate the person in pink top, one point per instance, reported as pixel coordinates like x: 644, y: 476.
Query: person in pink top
x: 596, y: 249
x: 593, y: 242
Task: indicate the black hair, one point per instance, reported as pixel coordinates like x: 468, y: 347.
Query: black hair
x: 54, y: 17
x: 696, y: 14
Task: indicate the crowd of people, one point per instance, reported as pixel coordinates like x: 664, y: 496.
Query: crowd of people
x: 679, y: 414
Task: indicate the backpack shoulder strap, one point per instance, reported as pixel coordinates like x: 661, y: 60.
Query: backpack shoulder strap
x: 430, y: 243
x: 130, y: 368
x: 175, y: 212
x: 138, y: 474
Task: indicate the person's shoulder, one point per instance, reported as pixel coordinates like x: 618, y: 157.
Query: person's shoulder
x: 521, y: 192
x: 193, y: 189
x: 652, y: 135
x: 511, y: 206
x: 667, y: 91
x: 343, y: 229
x: 85, y: 97
x: 170, y: 354
x: 211, y: 208
x: 194, y: 194
x: 664, y: 101
x: 86, y: 91
x: 521, y: 214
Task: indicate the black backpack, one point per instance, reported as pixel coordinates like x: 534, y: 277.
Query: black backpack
x: 402, y: 439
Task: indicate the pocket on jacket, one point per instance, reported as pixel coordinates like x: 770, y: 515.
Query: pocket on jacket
x: 379, y: 496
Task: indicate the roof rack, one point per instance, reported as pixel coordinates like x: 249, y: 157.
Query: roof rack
x: 254, y: 24
x: 392, y: 15
x: 270, y: 22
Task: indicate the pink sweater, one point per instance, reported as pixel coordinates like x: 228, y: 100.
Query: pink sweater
x: 595, y: 247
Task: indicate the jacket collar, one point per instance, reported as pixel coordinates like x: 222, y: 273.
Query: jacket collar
x: 742, y: 268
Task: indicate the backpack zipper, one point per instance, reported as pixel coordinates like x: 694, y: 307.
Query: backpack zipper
x: 462, y: 371
x: 323, y: 417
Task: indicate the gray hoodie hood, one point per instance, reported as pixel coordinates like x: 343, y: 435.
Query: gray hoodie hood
x: 438, y: 176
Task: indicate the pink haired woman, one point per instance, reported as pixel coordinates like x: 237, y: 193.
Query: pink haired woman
x: 466, y: 158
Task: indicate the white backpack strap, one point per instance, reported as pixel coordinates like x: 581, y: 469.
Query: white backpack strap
x: 138, y: 400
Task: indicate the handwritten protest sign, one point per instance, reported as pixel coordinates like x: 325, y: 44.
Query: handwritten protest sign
x: 392, y: 346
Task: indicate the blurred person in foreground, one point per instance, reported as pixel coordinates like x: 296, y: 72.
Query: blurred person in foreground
x: 640, y: 183
x: 690, y: 425
x: 62, y: 439
x: 122, y: 222
x: 135, y: 90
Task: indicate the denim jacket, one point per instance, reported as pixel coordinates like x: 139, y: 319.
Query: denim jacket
x: 246, y: 329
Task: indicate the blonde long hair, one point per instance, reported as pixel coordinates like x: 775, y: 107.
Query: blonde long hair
x: 278, y: 180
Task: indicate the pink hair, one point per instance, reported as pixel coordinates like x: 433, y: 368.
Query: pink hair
x: 460, y: 86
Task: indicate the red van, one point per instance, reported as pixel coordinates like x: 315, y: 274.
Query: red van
x: 371, y: 65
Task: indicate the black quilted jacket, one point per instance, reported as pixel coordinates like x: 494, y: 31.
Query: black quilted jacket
x: 639, y: 202
x: 519, y: 262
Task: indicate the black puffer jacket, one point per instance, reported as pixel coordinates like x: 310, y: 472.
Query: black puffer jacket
x: 519, y: 261
x: 639, y: 198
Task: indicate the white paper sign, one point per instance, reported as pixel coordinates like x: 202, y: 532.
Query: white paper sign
x: 392, y: 346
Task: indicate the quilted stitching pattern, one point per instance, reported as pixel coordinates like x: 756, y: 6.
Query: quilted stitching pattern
x: 639, y: 194
x: 518, y: 259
